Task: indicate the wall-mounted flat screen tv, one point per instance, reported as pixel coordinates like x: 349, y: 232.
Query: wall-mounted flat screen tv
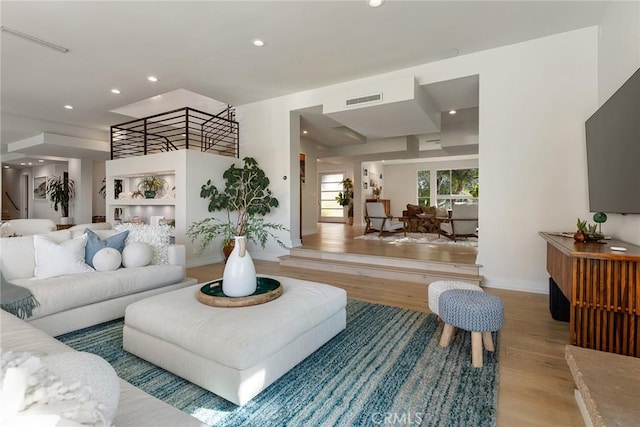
x: 613, y: 151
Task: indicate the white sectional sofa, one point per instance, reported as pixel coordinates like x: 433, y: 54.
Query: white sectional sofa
x: 134, y: 408
x: 73, y: 301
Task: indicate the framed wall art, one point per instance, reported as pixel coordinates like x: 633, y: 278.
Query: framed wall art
x: 40, y: 188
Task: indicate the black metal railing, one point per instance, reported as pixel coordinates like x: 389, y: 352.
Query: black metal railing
x: 181, y: 129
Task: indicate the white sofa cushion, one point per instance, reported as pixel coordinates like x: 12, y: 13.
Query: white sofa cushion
x: 18, y: 254
x: 107, y: 259
x: 57, y: 259
x: 63, y: 293
x: 137, y: 254
x: 91, y: 371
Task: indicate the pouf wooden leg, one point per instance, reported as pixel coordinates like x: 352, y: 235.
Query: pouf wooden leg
x: 487, y: 339
x: 447, y: 334
x: 476, y: 349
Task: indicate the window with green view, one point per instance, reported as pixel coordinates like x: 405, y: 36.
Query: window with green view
x: 424, y: 188
x: 457, y: 186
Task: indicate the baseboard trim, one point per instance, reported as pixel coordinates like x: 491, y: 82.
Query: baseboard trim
x: 583, y: 408
x: 521, y: 286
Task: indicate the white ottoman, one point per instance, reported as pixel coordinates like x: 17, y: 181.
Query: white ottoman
x: 437, y: 288
x: 234, y: 352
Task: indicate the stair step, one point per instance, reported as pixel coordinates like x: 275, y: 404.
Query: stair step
x: 382, y: 261
x: 381, y: 268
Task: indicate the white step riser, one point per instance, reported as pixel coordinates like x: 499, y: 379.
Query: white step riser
x: 378, y: 261
x: 378, y: 273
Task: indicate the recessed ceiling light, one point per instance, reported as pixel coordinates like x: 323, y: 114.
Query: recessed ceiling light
x: 375, y: 3
x: 451, y: 52
x: 116, y: 91
x: 305, y: 132
x: 258, y: 43
x: 22, y: 164
x: 452, y: 112
x: 41, y: 161
x: 6, y: 166
x: 152, y: 79
x: 69, y: 107
x: 29, y: 163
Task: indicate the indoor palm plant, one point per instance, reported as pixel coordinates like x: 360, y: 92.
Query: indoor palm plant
x: 60, y: 191
x: 345, y: 197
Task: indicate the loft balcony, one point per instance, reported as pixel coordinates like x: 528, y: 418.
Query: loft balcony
x: 181, y: 129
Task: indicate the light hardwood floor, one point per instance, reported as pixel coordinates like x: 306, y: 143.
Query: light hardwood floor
x: 536, y: 387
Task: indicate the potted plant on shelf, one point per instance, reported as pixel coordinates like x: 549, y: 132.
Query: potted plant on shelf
x: 345, y: 197
x: 60, y: 191
x: 246, y: 198
x: 377, y: 190
x: 151, y: 185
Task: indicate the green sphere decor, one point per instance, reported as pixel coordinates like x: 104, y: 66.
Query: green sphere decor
x: 600, y: 217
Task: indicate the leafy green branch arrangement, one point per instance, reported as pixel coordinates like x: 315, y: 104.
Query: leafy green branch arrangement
x: 246, y: 192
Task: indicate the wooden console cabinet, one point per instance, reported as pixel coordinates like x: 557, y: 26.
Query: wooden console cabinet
x: 603, y: 288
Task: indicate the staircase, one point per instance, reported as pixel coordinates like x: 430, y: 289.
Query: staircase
x: 7, y: 204
x: 380, y: 267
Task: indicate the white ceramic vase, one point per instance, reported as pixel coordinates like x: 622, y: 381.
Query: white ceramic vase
x: 239, y: 278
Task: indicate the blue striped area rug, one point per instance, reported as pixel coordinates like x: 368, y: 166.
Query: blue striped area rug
x: 385, y: 368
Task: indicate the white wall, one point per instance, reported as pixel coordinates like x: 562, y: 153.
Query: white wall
x: 81, y: 207
x: 267, y: 135
x: 310, y: 195
x: 618, y: 59
x: 534, y: 98
x: 401, y: 180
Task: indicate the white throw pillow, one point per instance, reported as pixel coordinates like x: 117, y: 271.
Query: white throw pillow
x: 107, y: 259
x: 136, y: 254
x: 53, y: 259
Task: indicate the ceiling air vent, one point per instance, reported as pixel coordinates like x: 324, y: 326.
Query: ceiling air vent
x: 376, y: 97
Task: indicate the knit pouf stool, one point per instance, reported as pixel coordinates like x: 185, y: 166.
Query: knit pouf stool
x: 437, y: 288
x: 473, y: 311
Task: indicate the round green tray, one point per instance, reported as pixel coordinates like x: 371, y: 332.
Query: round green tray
x: 267, y: 290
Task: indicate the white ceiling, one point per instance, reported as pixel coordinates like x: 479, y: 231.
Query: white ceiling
x: 205, y: 47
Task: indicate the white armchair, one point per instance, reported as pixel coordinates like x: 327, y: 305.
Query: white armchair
x: 463, y: 222
x: 378, y: 220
